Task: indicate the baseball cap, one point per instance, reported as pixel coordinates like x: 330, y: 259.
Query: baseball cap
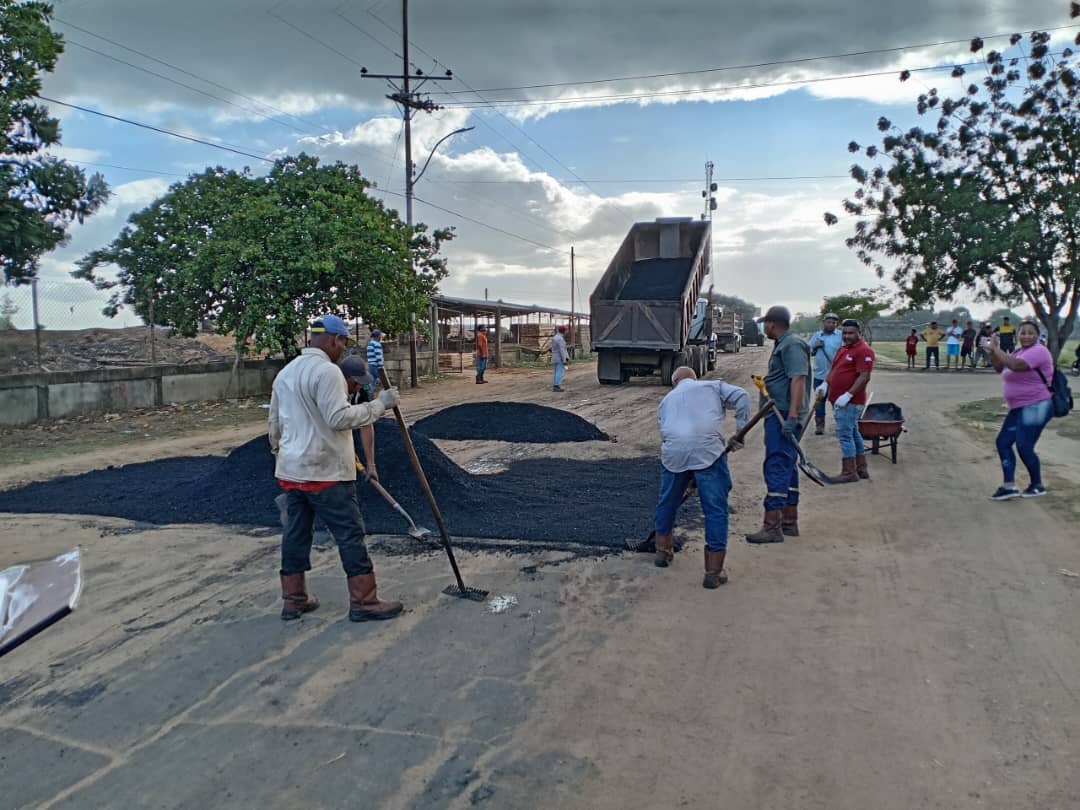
x: 376, y: 333
x: 777, y: 315
x: 832, y: 315
x: 331, y: 325
x: 357, y: 368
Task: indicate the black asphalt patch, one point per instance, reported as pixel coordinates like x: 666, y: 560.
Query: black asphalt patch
x: 508, y: 422
x: 599, y: 503
x: 657, y: 280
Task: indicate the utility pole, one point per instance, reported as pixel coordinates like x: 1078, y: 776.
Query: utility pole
x: 710, y: 206
x: 572, y: 310
x: 408, y: 99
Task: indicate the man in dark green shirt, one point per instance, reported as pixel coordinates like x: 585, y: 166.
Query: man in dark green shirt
x: 788, y: 385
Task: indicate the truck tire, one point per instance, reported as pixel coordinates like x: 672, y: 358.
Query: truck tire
x: 667, y: 366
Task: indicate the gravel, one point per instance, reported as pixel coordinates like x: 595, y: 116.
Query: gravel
x: 509, y: 422
x: 599, y: 503
x: 656, y: 280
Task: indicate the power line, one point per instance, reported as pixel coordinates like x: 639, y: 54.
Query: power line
x: 630, y: 181
x: 750, y: 66
x: 153, y: 128
x: 185, y: 72
x: 464, y: 105
x: 314, y: 38
x: 178, y: 83
x: 126, y: 168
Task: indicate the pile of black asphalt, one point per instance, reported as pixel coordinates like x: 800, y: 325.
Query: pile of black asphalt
x: 656, y: 280
x: 508, y: 422
x: 601, y: 503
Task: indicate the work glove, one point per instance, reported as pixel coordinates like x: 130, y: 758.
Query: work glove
x: 390, y: 398
x: 735, y: 445
x: 842, y: 400
x: 822, y: 390
x: 792, y: 428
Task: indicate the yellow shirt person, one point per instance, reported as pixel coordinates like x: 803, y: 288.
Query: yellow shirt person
x: 932, y: 335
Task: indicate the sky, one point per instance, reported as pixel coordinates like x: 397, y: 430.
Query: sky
x: 575, y: 137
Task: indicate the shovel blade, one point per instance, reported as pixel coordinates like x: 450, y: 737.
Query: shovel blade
x: 282, y: 503
x: 814, y: 474
x: 419, y: 532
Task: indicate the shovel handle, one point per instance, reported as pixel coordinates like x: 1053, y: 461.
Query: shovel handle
x: 407, y: 441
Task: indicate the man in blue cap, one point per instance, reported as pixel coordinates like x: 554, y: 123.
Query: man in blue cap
x: 311, y: 425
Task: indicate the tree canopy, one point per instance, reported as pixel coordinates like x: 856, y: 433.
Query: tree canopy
x: 732, y: 303
x: 987, y: 198
x: 863, y: 305
x: 259, y: 257
x: 40, y: 195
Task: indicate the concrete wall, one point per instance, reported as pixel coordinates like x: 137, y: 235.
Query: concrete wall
x: 26, y: 398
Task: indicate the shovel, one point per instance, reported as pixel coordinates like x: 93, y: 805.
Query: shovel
x: 459, y: 590
x: 418, y: 532
x: 739, y: 436
x: 809, y: 470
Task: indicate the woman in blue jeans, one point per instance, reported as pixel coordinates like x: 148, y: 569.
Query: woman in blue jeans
x: 1025, y: 375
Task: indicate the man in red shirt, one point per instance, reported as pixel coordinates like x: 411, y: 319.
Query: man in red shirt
x: 481, y: 354
x: 846, y: 387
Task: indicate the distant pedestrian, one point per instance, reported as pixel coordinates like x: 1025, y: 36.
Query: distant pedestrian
x: 982, y: 345
x: 911, y: 349
x: 1006, y: 335
x: 375, y: 354
x: 691, y: 449
x: 560, y: 357
x: 823, y: 346
x: 953, y: 339
x: 361, y: 387
x: 311, y: 425
x: 787, y: 381
x: 967, y: 346
x: 932, y: 335
x: 846, y: 387
x: 1030, y: 408
x: 481, y: 354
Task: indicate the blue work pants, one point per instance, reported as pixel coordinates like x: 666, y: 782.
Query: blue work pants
x: 847, y: 430
x: 781, y: 472
x: 714, y: 484
x: 339, y: 509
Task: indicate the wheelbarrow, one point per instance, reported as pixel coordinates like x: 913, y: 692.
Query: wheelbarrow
x: 882, y: 422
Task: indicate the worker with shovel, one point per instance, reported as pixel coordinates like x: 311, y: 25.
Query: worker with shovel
x: 311, y: 424
x: 787, y: 382
x: 693, y: 449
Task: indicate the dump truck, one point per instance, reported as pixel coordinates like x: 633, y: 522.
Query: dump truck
x: 647, y: 317
x: 728, y: 329
x: 752, y: 334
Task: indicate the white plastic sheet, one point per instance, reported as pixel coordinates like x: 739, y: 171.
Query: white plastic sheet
x: 35, y: 595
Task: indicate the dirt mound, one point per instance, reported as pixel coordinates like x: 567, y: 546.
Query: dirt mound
x: 600, y: 503
x: 509, y: 422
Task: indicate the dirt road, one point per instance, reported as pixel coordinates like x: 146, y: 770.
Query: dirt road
x: 917, y: 647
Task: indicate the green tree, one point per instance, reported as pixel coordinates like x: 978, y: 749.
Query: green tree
x: 40, y: 195
x: 806, y: 323
x: 732, y: 303
x: 259, y: 257
x: 863, y: 305
x: 8, y: 311
x: 988, y: 197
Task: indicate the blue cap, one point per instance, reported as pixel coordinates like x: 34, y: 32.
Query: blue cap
x: 331, y: 325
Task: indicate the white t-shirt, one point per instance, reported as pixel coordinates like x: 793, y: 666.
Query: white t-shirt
x: 953, y: 335
x: 692, y: 422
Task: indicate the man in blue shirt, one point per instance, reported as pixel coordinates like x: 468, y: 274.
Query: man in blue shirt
x: 823, y: 346
x: 375, y: 354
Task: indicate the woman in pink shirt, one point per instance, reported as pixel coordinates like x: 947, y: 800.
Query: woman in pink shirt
x: 1028, y: 398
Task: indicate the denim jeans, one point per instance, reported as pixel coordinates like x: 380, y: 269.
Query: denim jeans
x: 781, y: 474
x: 481, y: 366
x: 847, y: 430
x: 1022, y: 427
x: 338, y: 507
x: 714, y: 484
x: 560, y: 369
x: 932, y: 351
x: 819, y: 411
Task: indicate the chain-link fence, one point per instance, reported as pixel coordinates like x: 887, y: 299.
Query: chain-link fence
x: 58, y: 325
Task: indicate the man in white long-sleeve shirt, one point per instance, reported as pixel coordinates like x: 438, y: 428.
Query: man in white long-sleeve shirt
x: 692, y: 449
x: 560, y: 357
x: 311, y: 425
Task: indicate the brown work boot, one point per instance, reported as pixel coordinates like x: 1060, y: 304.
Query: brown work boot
x: 364, y: 602
x: 715, y: 575
x: 295, y: 599
x: 664, y: 550
x: 789, y: 524
x: 819, y: 425
x: 861, y: 469
x: 478, y: 380
x: 770, y: 529
x: 847, y: 475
